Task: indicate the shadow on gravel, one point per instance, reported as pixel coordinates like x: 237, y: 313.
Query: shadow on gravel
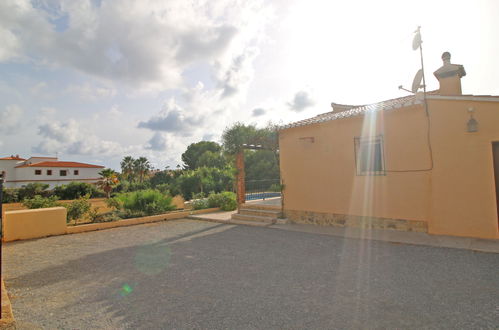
x: 247, y: 277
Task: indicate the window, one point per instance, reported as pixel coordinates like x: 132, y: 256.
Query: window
x: 76, y: 172
x: 369, y: 155
x: 49, y: 172
x: 63, y: 173
x: 38, y: 172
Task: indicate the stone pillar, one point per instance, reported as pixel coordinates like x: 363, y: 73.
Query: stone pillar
x: 240, y: 184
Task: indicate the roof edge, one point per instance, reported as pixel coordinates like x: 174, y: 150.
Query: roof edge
x: 486, y: 98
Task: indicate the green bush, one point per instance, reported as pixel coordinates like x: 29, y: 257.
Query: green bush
x: 39, y: 202
x: 78, y: 208
x: 275, y: 187
x: 32, y: 189
x: 199, y: 201
x: 225, y: 200
x: 199, y: 204
x: 143, y: 203
x: 10, y: 195
x: 164, y: 188
x: 76, y: 190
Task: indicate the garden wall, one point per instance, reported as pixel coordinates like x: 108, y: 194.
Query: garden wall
x: 36, y: 223
x: 26, y: 224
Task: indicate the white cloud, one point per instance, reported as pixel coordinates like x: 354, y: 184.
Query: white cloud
x: 69, y: 138
x: 115, y: 111
x: 10, y: 44
x: 38, y: 88
x: 145, y: 43
x: 11, y: 119
x: 90, y: 92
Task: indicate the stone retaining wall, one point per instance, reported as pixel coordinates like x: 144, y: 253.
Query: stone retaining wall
x: 343, y: 220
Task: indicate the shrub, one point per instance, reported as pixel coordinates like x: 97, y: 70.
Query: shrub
x: 199, y: 201
x: 75, y: 190
x: 93, y: 214
x: 275, y: 187
x: 143, y: 202
x: 10, y: 195
x: 78, y: 208
x: 39, y: 202
x: 32, y: 189
x: 164, y: 188
x: 199, y: 204
x: 225, y: 200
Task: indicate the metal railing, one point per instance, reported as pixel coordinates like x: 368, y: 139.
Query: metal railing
x: 262, y: 189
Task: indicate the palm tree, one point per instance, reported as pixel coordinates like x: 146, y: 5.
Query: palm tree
x: 127, y: 167
x: 141, y: 167
x: 109, y: 179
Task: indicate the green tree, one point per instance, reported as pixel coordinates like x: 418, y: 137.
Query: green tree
x: 141, y: 168
x: 238, y: 137
x: 212, y: 159
x: 109, y: 179
x: 128, y: 168
x: 75, y: 190
x: 195, y: 150
x: 261, y: 165
x: 32, y: 189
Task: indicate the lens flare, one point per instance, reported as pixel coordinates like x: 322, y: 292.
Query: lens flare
x: 125, y: 290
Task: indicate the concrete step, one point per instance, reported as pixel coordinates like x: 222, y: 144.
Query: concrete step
x: 249, y: 223
x: 261, y: 213
x: 260, y: 206
x: 256, y: 218
x: 282, y: 222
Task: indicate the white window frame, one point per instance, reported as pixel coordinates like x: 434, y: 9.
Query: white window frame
x: 359, y: 146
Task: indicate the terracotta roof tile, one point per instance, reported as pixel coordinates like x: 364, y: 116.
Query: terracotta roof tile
x: 61, y: 164
x: 357, y: 111
x: 12, y: 158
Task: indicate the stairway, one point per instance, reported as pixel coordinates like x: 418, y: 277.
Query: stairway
x: 256, y: 215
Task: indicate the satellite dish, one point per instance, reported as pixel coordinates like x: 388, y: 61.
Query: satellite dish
x: 416, y: 83
x: 416, y: 42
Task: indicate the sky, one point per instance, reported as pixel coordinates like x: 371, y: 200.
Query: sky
x: 97, y: 80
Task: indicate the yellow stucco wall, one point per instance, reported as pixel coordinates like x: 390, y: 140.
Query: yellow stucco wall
x: 321, y: 176
x: 457, y: 197
x: 463, y: 187
x: 26, y: 224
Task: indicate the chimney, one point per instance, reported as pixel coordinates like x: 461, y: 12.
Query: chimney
x: 449, y: 76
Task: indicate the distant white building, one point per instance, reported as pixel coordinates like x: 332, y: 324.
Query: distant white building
x: 49, y: 170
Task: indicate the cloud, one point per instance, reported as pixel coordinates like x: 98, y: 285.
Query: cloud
x: 39, y: 88
x: 11, y: 119
x: 301, y: 101
x: 239, y: 73
x: 258, y: 112
x: 67, y: 137
x: 172, y: 118
x: 158, y: 142
x: 89, y: 92
x: 147, y: 43
x: 115, y: 111
x: 10, y: 44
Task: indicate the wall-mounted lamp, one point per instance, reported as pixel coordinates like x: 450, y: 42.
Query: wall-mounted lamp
x: 310, y: 139
x: 472, y: 125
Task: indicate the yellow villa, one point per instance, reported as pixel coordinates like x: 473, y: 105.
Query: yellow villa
x: 397, y: 164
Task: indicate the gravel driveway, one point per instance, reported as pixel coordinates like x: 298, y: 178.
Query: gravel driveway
x: 194, y: 274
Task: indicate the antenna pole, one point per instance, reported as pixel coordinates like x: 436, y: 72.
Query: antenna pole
x: 424, y: 81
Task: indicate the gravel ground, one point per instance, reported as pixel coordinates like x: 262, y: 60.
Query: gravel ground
x: 194, y: 274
